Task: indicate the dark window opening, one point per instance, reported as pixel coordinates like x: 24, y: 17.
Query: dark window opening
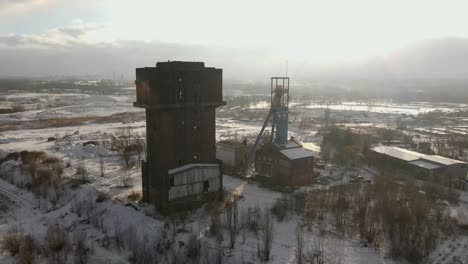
x: 171, y: 181
x: 180, y: 162
x: 206, y: 186
x: 181, y: 94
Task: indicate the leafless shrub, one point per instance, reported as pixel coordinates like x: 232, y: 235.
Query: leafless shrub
x: 147, y: 252
x: 14, y: 108
x: 231, y: 212
x: 101, y: 165
x: 282, y: 207
x: 267, y: 235
x: 132, y: 242
x: 118, y: 234
x: 134, y: 195
x: 26, y: 251
x: 84, y: 205
x: 252, y: 219
x: 81, y: 249
x: 299, y: 245
x: 96, y: 220
x: 31, y: 157
x: 11, y: 242
x: 126, y: 142
x: 56, y: 238
x: 316, y: 254
x: 82, y: 171
x: 56, y: 242
x: 101, y: 197
x: 386, y: 211
x: 215, y: 224
x: 193, y: 249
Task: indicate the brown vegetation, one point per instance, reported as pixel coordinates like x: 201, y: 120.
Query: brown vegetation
x: 11, y: 242
x: 71, y: 121
x: 385, y: 212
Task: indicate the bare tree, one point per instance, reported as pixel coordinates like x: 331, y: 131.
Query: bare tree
x: 299, y: 245
x: 267, y: 235
x: 316, y: 255
x: 125, y: 176
x: 124, y: 142
x: 82, y: 171
x: 232, y: 217
x: 101, y: 165
x: 81, y: 250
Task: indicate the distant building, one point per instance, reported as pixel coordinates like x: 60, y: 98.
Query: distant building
x: 234, y: 155
x: 421, y: 165
x: 285, y: 165
x: 359, y: 137
x: 181, y: 170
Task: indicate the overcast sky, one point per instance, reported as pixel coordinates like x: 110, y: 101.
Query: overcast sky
x: 250, y: 39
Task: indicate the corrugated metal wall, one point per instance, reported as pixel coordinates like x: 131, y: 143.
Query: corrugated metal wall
x: 191, y: 182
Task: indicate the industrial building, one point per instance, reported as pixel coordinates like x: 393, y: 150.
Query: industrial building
x: 234, y: 155
x: 285, y: 165
x: 181, y: 170
x: 359, y: 137
x: 281, y: 161
x: 421, y: 165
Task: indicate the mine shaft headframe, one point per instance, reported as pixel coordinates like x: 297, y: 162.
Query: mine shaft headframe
x: 279, y: 92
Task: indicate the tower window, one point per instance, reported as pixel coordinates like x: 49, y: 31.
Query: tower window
x: 206, y: 186
x: 171, y: 181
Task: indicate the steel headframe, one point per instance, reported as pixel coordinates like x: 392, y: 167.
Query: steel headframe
x: 278, y: 114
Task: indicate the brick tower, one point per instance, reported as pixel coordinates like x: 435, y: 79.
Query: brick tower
x: 180, y: 98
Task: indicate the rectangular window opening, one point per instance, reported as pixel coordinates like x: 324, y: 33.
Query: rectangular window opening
x: 171, y: 179
x: 206, y: 186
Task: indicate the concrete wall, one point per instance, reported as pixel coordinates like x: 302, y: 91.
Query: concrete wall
x: 458, y: 170
x: 227, y: 154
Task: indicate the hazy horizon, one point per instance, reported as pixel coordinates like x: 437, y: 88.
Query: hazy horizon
x: 320, y: 40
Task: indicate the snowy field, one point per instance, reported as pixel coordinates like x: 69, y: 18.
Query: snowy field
x: 20, y: 207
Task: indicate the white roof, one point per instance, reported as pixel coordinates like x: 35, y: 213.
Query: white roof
x: 441, y: 160
x: 296, y: 153
x: 424, y: 164
x: 189, y: 166
x: 291, y: 144
x: 399, y: 153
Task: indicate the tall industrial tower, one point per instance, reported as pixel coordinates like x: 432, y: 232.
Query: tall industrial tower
x: 278, y: 114
x: 281, y: 161
x: 180, y: 98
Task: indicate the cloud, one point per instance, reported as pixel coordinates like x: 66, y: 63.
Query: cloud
x: 34, y: 56
x: 14, y: 2
x: 69, y: 50
x: 7, y: 4
x: 65, y: 36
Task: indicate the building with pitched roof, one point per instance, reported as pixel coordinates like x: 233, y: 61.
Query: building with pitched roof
x: 422, y: 165
x: 286, y: 165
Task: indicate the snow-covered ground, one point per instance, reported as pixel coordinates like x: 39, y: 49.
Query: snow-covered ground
x: 21, y: 207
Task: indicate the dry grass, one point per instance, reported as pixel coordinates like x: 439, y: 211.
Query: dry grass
x: 11, y: 242
x: 26, y: 252
x: 56, y: 238
x: 135, y: 196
